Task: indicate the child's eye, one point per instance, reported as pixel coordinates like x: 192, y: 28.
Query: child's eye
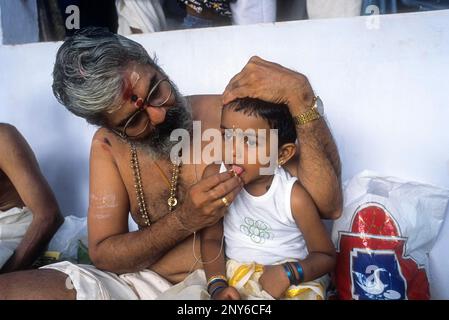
x: 228, y: 135
x: 251, y: 142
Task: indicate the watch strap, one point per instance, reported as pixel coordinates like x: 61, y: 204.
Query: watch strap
x: 310, y: 115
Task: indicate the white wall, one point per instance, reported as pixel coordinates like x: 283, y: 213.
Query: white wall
x: 385, y: 92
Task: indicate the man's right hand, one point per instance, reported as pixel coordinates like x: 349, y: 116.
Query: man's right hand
x: 204, y: 204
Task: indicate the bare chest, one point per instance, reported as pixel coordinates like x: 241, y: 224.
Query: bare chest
x: 151, y: 183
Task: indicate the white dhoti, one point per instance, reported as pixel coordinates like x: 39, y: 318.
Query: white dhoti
x: 93, y: 284
x: 147, y: 16
x: 245, y: 278
x: 14, y: 224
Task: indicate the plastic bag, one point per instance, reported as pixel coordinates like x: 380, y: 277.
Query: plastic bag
x: 67, y: 239
x: 383, y: 237
x: 5, y: 254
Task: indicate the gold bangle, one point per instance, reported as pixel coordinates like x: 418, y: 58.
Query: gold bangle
x: 216, y: 277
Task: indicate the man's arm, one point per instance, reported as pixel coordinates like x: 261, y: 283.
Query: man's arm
x: 112, y: 247
x: 318, y: 165
x: 212, y: 251
x: 319, y: 168
x: 18, y: 162
x: 212, y: 254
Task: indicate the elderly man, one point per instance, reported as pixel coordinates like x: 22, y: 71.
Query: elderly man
x: 111, y: 81
x: 29, y: 213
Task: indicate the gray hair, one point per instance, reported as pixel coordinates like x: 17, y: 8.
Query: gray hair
x: 88, y: 76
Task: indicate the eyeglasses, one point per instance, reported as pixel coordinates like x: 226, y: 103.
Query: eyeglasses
x: 138, y: 122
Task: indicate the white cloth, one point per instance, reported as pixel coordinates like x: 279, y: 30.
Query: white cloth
x: 319, y: 9
x: 93, y: 284
x: 192, y: 288
x: 145, y: 15
x: 262, y: 229
x: 253, y: 11
x: 14, y: 224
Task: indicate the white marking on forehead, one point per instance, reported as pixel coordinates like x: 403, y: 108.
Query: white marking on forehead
x: 135, y: 77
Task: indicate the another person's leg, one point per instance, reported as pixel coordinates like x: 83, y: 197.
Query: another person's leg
x: 36, y: 285
x: 67, y: 281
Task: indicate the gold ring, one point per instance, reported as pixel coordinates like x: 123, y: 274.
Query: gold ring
x: 225, y: 201
x: 233, y: 173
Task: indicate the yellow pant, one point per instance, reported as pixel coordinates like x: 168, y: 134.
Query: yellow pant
x: 245, y: 278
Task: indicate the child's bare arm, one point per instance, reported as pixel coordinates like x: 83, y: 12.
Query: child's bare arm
x: 212, y: 254
x: 321, y: 258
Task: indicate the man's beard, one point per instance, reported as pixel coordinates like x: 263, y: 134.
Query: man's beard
x: 158, y: 144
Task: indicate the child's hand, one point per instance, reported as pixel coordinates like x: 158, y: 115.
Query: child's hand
x: 274, y: 281
x: 229, y: 293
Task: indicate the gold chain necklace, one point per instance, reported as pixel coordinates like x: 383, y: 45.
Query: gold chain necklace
x: 172, y: 200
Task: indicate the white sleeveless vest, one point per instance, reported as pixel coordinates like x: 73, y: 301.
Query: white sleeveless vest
x: 262, y: 229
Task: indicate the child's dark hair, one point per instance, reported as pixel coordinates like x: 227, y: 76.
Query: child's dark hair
x: 277, y: 115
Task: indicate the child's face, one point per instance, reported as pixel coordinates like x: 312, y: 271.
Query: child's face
x: 239, y: 122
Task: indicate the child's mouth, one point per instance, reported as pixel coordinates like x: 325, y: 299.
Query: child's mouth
x: 237, y: 169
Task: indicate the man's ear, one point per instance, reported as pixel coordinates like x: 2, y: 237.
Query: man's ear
x: 286, y: 152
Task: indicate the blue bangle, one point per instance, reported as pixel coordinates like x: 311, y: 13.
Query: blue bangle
x: 215, y: 281
x: 289, y: 272
x: 216, y: 290
x: 294, y: 281
x: 300, y: 271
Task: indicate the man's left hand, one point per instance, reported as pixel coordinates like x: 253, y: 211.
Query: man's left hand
x: 270, y: 82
